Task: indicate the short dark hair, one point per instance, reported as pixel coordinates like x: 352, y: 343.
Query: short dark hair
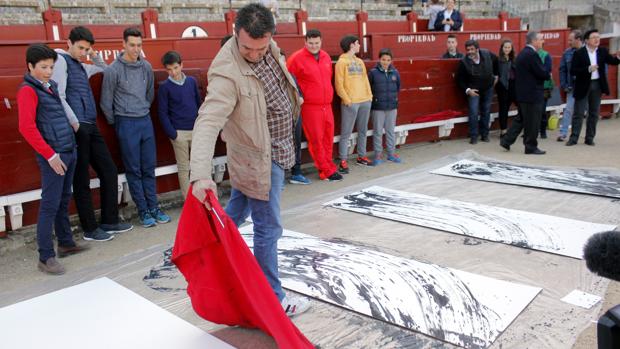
x: 131, y: 31
x: 472, y: 42
x: 587, y: 34
x: 225, y: 39
x: 577, y: 34
x: 256, y: 20
x: 347, y: 41
x: 385, y: 52
x: 451, y: 36
x: 313, y: 33
x: 170, y: 58
x: 81, y: 33
x: 39, y: 52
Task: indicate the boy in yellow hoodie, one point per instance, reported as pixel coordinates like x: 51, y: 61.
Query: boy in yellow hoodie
x: 353, y: 88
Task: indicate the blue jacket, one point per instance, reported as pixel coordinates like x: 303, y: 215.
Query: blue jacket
x: 455, y: 16
x: 51, y: 118
x: 79, y: 96
x: 385, y: 86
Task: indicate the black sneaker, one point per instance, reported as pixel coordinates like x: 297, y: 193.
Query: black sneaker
x: 343, y: 167
x: 98, y: 235
x: 116, y: 228
x: 363, y: 161
x: 335, y: 177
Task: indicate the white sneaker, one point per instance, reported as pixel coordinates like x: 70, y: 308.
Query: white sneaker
x: 295, y: 305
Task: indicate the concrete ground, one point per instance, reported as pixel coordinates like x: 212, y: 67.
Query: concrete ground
x: 20, y: 280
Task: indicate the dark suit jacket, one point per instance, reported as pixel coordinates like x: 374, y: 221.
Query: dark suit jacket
x: 530, y: 74
x: 456, y: 17
x: 579, y: 69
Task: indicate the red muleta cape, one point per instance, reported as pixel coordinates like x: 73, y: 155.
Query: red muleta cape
x: 225, y: 283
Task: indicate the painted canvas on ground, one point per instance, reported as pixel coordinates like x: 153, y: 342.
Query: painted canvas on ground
x: 575, y: 180
x: 524, y: 229
x: 465, y: 309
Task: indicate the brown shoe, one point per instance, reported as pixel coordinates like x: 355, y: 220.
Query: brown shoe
x: 51, y: 266
x: 64, y: 251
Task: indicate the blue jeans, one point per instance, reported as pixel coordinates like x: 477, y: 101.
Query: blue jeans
x: 296, y: 170
x: 567, y: 117
x: 267, y: 225
x: 137, y: 142
x: 54, y: 206
x: 479, y: 113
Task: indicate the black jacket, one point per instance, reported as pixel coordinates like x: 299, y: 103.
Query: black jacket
x: 455, y: 16
x: 530, y: 76
x: 579, y: 68
x: 477, y: 76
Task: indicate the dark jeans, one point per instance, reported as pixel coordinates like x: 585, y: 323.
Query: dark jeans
x: 528, y: 121
x: 92, y: 151
x: 479, y: 113
x: 544, y: 119
x: 296, y: 170
x: 54, y: 206
x: 505, y: 98
x: 137, y: 142
x: 593, y: 100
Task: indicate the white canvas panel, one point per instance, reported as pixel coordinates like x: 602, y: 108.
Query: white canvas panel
x: 574, y: 180
x: 98, y: 314
x: 523, y: 229
x: 581, y: 299
x: 454, y: 306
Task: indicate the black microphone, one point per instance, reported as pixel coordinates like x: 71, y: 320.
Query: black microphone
x: 602, y: 254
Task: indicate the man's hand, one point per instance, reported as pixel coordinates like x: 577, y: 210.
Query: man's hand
x: 76, y: 126
x: 92, y: 53
x: 57, y: 165
x: 472, y: 92
x: 199, y: 188
x: 593, y: 68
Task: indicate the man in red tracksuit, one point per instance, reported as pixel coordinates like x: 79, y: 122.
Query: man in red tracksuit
x: 312, y: 67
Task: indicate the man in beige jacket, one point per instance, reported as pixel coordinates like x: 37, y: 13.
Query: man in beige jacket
x: 252, y: 98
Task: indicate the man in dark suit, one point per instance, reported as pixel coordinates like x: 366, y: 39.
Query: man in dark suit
x: 530, y: 74
x: 589, y: 66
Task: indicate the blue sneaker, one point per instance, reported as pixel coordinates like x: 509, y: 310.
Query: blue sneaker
x: 147, y: 220
x: 160, y: 216
x: 394, y: 158
x: 116, y: 228
x: 299, y: 179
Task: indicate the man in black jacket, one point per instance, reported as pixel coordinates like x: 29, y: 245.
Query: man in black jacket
x: 589, y: 66
x: 477, y: 75
x: 529, y: 77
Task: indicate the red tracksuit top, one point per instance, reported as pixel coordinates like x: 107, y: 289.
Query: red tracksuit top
x: 225, y: 283
x: 313, y: 77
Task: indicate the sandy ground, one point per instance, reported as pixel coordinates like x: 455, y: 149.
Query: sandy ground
x: 545, y: 323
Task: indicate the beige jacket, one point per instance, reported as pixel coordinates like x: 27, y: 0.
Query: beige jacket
x: 235, y: 103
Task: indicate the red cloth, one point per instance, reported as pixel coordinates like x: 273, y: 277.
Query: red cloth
x: 225, y: 283
x: 27, y: 101
x: 318, y: 125
x: 313, y: 77
x: 442, y: 115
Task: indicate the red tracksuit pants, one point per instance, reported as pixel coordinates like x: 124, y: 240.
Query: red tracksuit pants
x: 318, y: 124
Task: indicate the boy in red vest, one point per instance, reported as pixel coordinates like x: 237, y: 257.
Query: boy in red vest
x: 44, y: 124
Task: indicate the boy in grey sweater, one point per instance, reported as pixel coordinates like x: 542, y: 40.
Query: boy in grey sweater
x: 126, y: 96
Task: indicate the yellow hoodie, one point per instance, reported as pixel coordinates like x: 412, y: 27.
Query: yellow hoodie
x: 352, y: 80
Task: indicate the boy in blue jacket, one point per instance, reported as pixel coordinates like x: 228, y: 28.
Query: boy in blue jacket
x: 179, y: 101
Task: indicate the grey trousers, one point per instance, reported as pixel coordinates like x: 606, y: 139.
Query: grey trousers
x: 358, y: 114
x: 383, y: 119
